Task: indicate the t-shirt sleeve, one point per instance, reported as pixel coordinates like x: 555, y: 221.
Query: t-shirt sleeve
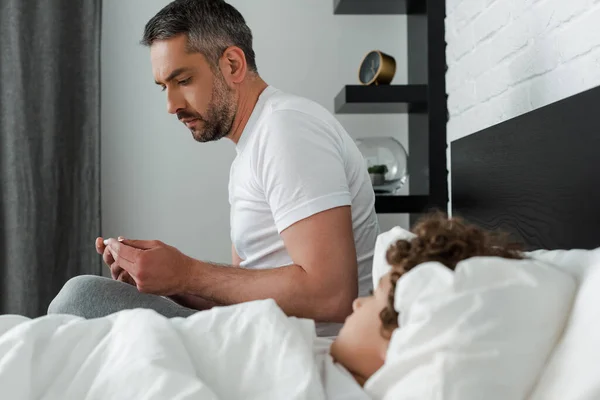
x: 301, y: 166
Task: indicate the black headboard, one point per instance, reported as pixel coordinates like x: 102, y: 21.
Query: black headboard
x: 536, y: 176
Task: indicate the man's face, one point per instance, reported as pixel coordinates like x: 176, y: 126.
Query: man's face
x: 196, y: 93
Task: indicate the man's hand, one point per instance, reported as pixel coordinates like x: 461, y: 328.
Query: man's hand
x: 116, y: 272
x: 154, y: 266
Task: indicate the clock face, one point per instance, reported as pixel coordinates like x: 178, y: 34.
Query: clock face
x: 369, y: 67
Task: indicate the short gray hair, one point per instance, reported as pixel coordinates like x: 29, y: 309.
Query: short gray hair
x: 210, y: 25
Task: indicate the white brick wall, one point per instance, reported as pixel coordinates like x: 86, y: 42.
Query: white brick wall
x: 508, y: 57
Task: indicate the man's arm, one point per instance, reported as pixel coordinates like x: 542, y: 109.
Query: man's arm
x: 197, y: 302
x: 321, y: 284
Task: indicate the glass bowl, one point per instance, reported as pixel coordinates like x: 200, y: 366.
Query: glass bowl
x: 386, y: 159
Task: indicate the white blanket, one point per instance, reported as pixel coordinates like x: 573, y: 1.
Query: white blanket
x: 248, y: 351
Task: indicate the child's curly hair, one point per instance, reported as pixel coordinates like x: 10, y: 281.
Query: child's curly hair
x: 445, y: 240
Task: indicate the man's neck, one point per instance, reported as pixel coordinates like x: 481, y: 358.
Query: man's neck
x: 246, y: 103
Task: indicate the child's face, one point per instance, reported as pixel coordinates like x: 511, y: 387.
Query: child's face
x: 361, y: 346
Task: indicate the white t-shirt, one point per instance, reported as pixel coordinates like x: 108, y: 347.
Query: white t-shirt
x: 294, y: 159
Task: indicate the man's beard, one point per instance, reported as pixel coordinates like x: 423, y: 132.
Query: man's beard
x: 219, y: 116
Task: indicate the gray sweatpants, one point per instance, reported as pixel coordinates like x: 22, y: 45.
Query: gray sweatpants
x: 91, y: 296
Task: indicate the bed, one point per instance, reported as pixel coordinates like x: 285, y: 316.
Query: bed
x: 494, y: 330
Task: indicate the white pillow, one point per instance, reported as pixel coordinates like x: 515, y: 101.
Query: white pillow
x: 572, y: 371
x: 382, y: 244
x: 482, y: 332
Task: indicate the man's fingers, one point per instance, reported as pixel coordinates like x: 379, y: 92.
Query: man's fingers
x: 140, y: 244
x: 100, y: 245
x: 107, y: 257
x: 125, y: 278
x: 125, y: 255
x: 129, y: 266
x: 115, y: 271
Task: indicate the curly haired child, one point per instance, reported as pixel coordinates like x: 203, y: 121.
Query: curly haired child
x: 363, y: 341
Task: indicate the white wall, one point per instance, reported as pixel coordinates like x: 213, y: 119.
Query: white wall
x: 508, y: 57
x: 156, y: 181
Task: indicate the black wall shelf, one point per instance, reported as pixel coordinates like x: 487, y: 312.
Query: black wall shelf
x: 384, y: 99
x: 408, y: 204
x: 423, y: 98
x: 378, y: 7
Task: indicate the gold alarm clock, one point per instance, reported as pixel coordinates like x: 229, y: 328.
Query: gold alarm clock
x: 377, y: 68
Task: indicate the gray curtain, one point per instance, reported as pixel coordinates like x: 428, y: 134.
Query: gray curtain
x: 50, y: 138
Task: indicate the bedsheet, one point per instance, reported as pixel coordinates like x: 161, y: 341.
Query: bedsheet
x: 248, y: 351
